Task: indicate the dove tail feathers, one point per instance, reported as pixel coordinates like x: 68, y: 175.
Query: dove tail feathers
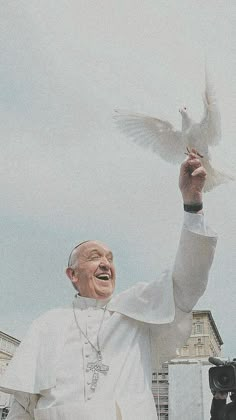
x: 215, y: 177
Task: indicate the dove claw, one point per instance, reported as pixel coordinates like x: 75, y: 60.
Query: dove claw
x: 193, y: 151
x: 201, y: 156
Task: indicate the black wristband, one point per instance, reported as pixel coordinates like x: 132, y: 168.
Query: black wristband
x: 193, y: 208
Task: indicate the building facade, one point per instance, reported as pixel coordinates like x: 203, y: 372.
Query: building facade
x: 205, y: 340
x: 192, y: 359
x: 8, y: 346
x: 160, y: 389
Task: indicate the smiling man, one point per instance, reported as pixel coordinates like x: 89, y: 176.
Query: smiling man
x: 94, y: 360
x: 91, y: 270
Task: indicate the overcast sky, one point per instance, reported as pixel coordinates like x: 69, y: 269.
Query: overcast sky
x: 67, y: 175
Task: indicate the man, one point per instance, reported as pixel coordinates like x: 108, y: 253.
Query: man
x: 94, y: 360
x: 220, y: 410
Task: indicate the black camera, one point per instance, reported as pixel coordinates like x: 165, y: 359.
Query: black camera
x: 222, y: 377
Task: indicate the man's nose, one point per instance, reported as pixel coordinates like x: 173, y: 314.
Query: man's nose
x: 105, y: 263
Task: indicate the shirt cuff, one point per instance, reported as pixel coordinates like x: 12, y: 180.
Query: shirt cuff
x: 196, y: 223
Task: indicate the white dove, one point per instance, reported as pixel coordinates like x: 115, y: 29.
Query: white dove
x: 170, y: 144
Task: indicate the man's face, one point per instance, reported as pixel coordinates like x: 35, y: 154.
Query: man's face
x: 93, y: 270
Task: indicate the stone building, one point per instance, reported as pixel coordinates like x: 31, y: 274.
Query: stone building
x: 204, y: 341
x: 160, y: 391
x: 8, y: 346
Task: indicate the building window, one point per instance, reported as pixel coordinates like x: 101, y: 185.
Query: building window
x: 154, y: 378
x: 198, y: 328
x: 3, y: 344
x: 199, y: 350
x: 185, y: 351
x: 5, y: 412
x: 7, y: 346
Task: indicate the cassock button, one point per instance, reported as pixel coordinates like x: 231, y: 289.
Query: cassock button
x: 87, y: 355
x: 89, y: 398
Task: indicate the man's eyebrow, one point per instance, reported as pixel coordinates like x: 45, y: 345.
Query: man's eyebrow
x: 94, y: 250
x: 110, y: 253
x: 97, y: 251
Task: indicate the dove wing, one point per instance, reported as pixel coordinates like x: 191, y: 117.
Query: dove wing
x: 211, y: 122
x: 152, y: 133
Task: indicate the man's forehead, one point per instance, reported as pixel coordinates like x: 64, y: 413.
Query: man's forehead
x: 87, y: 247
x: 93, y: 245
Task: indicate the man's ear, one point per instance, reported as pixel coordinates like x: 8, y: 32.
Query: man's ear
x: 70, y: 275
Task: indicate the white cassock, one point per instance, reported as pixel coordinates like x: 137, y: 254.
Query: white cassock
x: 142, y: 327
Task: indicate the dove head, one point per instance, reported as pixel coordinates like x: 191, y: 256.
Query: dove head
x: 183, y: 111
x: 186, y: 121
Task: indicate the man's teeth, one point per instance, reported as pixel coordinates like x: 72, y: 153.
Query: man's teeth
x: 103, y: 276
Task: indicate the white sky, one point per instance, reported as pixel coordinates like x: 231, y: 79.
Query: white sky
x: 67, y: 175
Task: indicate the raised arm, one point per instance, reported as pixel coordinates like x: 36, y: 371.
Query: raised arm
x: 197, y: 241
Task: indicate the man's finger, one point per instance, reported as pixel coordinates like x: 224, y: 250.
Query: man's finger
x: 194, y: 163
x: 200, y: 171
x: 190, y: 165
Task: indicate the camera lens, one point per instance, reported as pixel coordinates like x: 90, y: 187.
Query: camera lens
x: 224, y: 380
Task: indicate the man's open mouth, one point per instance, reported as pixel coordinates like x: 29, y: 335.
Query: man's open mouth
x: 103, y: 277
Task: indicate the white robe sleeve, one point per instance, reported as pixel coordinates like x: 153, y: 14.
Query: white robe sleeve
x: 28, y: 359
x: 190, y: 275
x: 32, y: 368
x: 155, y: 302
x: 166, y: 303
x: 193, y: 261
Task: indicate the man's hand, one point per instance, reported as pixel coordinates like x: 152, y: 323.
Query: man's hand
x: 219, y: 395
x: 192, y: 178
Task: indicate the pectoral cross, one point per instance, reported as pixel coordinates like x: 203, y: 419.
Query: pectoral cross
x: 97, y: 367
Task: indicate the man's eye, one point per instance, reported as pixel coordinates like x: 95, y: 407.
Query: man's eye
x: 94, y: 257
